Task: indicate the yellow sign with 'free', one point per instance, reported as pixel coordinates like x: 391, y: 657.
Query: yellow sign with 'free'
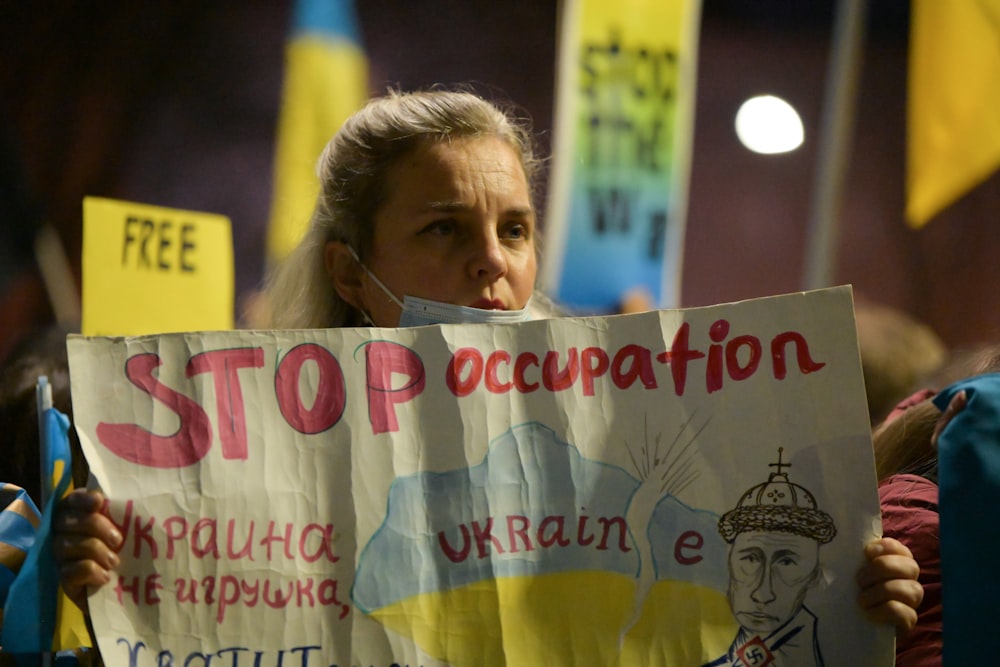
x: 149, y: 269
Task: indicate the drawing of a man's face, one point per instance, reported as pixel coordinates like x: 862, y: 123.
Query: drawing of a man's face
x: 769, y: 574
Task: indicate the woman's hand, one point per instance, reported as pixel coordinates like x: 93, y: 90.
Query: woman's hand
x: 955, y: 405
x: 85, y: 542
x: 890, y: 592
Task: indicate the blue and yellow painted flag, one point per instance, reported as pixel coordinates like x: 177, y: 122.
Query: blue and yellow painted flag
x: 38, y: 617
x: 953, y: 108
x: 19, y: 518
x: 622, y: 151
x: 326, y: 80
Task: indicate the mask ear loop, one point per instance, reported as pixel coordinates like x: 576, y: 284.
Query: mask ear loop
x: 378, y: 282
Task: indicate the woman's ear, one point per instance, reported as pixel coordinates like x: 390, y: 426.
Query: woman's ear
x: 345, y: 271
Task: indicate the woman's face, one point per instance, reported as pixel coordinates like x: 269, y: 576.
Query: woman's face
x: 457, y: 226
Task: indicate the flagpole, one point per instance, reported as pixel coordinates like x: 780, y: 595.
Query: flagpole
x: 43, y: 403
x: 836, y: 135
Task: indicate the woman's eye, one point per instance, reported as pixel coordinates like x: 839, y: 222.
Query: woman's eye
x: 440, y: 228
x: 516, y: 232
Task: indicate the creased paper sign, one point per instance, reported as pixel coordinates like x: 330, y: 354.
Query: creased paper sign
x: 672, y: 488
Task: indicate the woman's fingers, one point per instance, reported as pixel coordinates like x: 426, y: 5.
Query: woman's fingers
x: 955, y: 405
x: 905, y: 591
x: 81, y: 513
x: 83, y: 500
x: 890, y: 591
x: 85, y: 544
x: 893, y: 612
x: 887, y: 559
x: 75, y: 548
x: 75, y: 576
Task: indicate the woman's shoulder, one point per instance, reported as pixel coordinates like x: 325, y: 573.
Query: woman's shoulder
x: 909, y: 505
x: 906, y: 484
x: 910, y: 515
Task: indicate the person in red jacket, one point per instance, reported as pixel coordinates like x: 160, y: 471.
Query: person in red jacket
x: 907, y: 466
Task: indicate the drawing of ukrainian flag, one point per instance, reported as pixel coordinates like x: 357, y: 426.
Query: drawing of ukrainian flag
x: 326, y: 80
x: 622, y: 151
x: 38, y: 617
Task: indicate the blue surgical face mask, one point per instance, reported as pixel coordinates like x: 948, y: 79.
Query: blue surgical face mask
x: 419, y: 312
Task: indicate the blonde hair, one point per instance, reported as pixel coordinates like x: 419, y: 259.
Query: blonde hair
x: 904, y: 444
x: 352, y: 172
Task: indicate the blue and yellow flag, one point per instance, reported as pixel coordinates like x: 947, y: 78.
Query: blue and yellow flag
x: 953, y: 129
x: 38, y: 617
x: 326, y: 80
x: 19, y: 518
x: 622, y: 151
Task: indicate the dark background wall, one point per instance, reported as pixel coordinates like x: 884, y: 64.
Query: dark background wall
x: 175, y: 104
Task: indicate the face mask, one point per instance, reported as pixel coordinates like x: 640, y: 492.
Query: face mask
x: 419, y: 312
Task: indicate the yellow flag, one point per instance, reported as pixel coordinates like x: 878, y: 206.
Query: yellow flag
x: 954, y: 102
x: 326, y: 80
x: 71, y: 628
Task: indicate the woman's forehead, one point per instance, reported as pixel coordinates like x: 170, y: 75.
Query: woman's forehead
x: 477, y: 150
x: 445, y: 174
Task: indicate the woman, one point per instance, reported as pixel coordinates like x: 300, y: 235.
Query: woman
x: 425, y: 193
x: 906, y: 459
x: 425, y: 215
x: 906, y: 463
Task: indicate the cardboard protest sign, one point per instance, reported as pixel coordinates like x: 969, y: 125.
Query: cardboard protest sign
x: 623, y: 132
x: 666, y: 488
x: 149, y: 269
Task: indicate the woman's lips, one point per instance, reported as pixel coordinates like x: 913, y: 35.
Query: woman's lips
x: 489, y: 304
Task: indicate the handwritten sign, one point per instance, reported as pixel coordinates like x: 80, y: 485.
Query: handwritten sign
x: 624, y: 128
x: 669, y: 488
x: 148, y: 269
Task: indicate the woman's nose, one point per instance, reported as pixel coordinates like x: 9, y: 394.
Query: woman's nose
x: 489, y: 259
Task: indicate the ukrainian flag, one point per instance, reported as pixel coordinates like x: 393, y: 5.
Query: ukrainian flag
x: 326, y: 80
x: 953, y: 131
x: 38, y: 617
x: 19, y: 518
